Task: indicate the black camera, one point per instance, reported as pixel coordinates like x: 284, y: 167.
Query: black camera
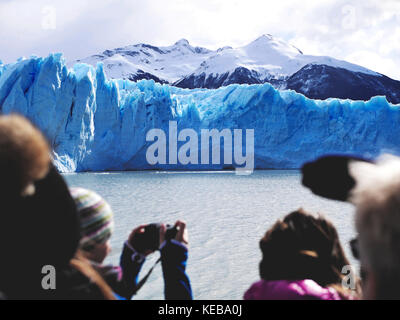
x: 150, y: 238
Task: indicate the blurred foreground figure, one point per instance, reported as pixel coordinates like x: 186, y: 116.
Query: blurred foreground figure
x: 39, y: 231
x: 374, y: 188
x: 302, y: 259
x: 377, y: 199
x: 330, y: 176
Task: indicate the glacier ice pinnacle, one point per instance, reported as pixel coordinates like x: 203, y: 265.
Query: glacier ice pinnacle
x: 188, y: 152
x: 96, y: 124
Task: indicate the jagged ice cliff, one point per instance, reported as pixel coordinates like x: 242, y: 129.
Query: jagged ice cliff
x: 96, y: 124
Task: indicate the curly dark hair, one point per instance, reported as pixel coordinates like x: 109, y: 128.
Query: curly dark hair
x: 302, y: 246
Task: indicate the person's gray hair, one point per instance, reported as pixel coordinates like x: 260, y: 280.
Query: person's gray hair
x: 377, y: 200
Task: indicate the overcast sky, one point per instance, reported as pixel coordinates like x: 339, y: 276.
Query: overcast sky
x: 366, y: 32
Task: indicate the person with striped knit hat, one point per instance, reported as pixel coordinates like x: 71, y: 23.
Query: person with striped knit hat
x: 96, y: 224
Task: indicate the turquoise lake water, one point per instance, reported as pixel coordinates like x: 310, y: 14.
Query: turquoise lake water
x: 226, y: 215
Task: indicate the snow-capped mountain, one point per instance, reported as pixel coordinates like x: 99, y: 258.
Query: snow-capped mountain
x: 266, y: 59
x: 143, y: 61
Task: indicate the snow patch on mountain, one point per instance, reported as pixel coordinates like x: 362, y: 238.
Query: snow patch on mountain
x: 169, y: 63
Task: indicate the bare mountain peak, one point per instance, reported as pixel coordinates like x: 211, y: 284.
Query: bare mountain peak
x: 224, y: 48
x: 182, y: 42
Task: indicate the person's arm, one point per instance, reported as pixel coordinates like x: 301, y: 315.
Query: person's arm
x: 124, y: 279
x: 131, y: 263
x: 174, y: 255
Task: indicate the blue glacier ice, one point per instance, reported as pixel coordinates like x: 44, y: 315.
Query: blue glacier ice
x: 96, y: 124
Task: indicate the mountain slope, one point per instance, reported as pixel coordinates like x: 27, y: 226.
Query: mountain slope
x: 322, y: 82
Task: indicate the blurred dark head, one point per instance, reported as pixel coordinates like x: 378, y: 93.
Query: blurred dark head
x: 36, y: 230
x: 302, y: 246
x: 24, y: 155
x: 329, y: 176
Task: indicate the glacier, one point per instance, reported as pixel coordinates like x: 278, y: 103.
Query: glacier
x: 99, y: 124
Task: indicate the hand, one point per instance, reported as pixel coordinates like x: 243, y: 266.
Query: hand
x: 131, y: 239
x: 182, y: 235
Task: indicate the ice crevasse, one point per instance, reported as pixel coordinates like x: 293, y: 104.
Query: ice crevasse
x: 96, y: 124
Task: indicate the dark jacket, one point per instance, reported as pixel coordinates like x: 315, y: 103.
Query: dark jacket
x: 123, y: 279
x: 174, y: 256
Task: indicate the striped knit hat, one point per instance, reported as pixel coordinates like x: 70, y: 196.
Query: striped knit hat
x: 95, y: 216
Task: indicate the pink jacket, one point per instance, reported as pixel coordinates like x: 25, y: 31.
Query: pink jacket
x: 290, y: 290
